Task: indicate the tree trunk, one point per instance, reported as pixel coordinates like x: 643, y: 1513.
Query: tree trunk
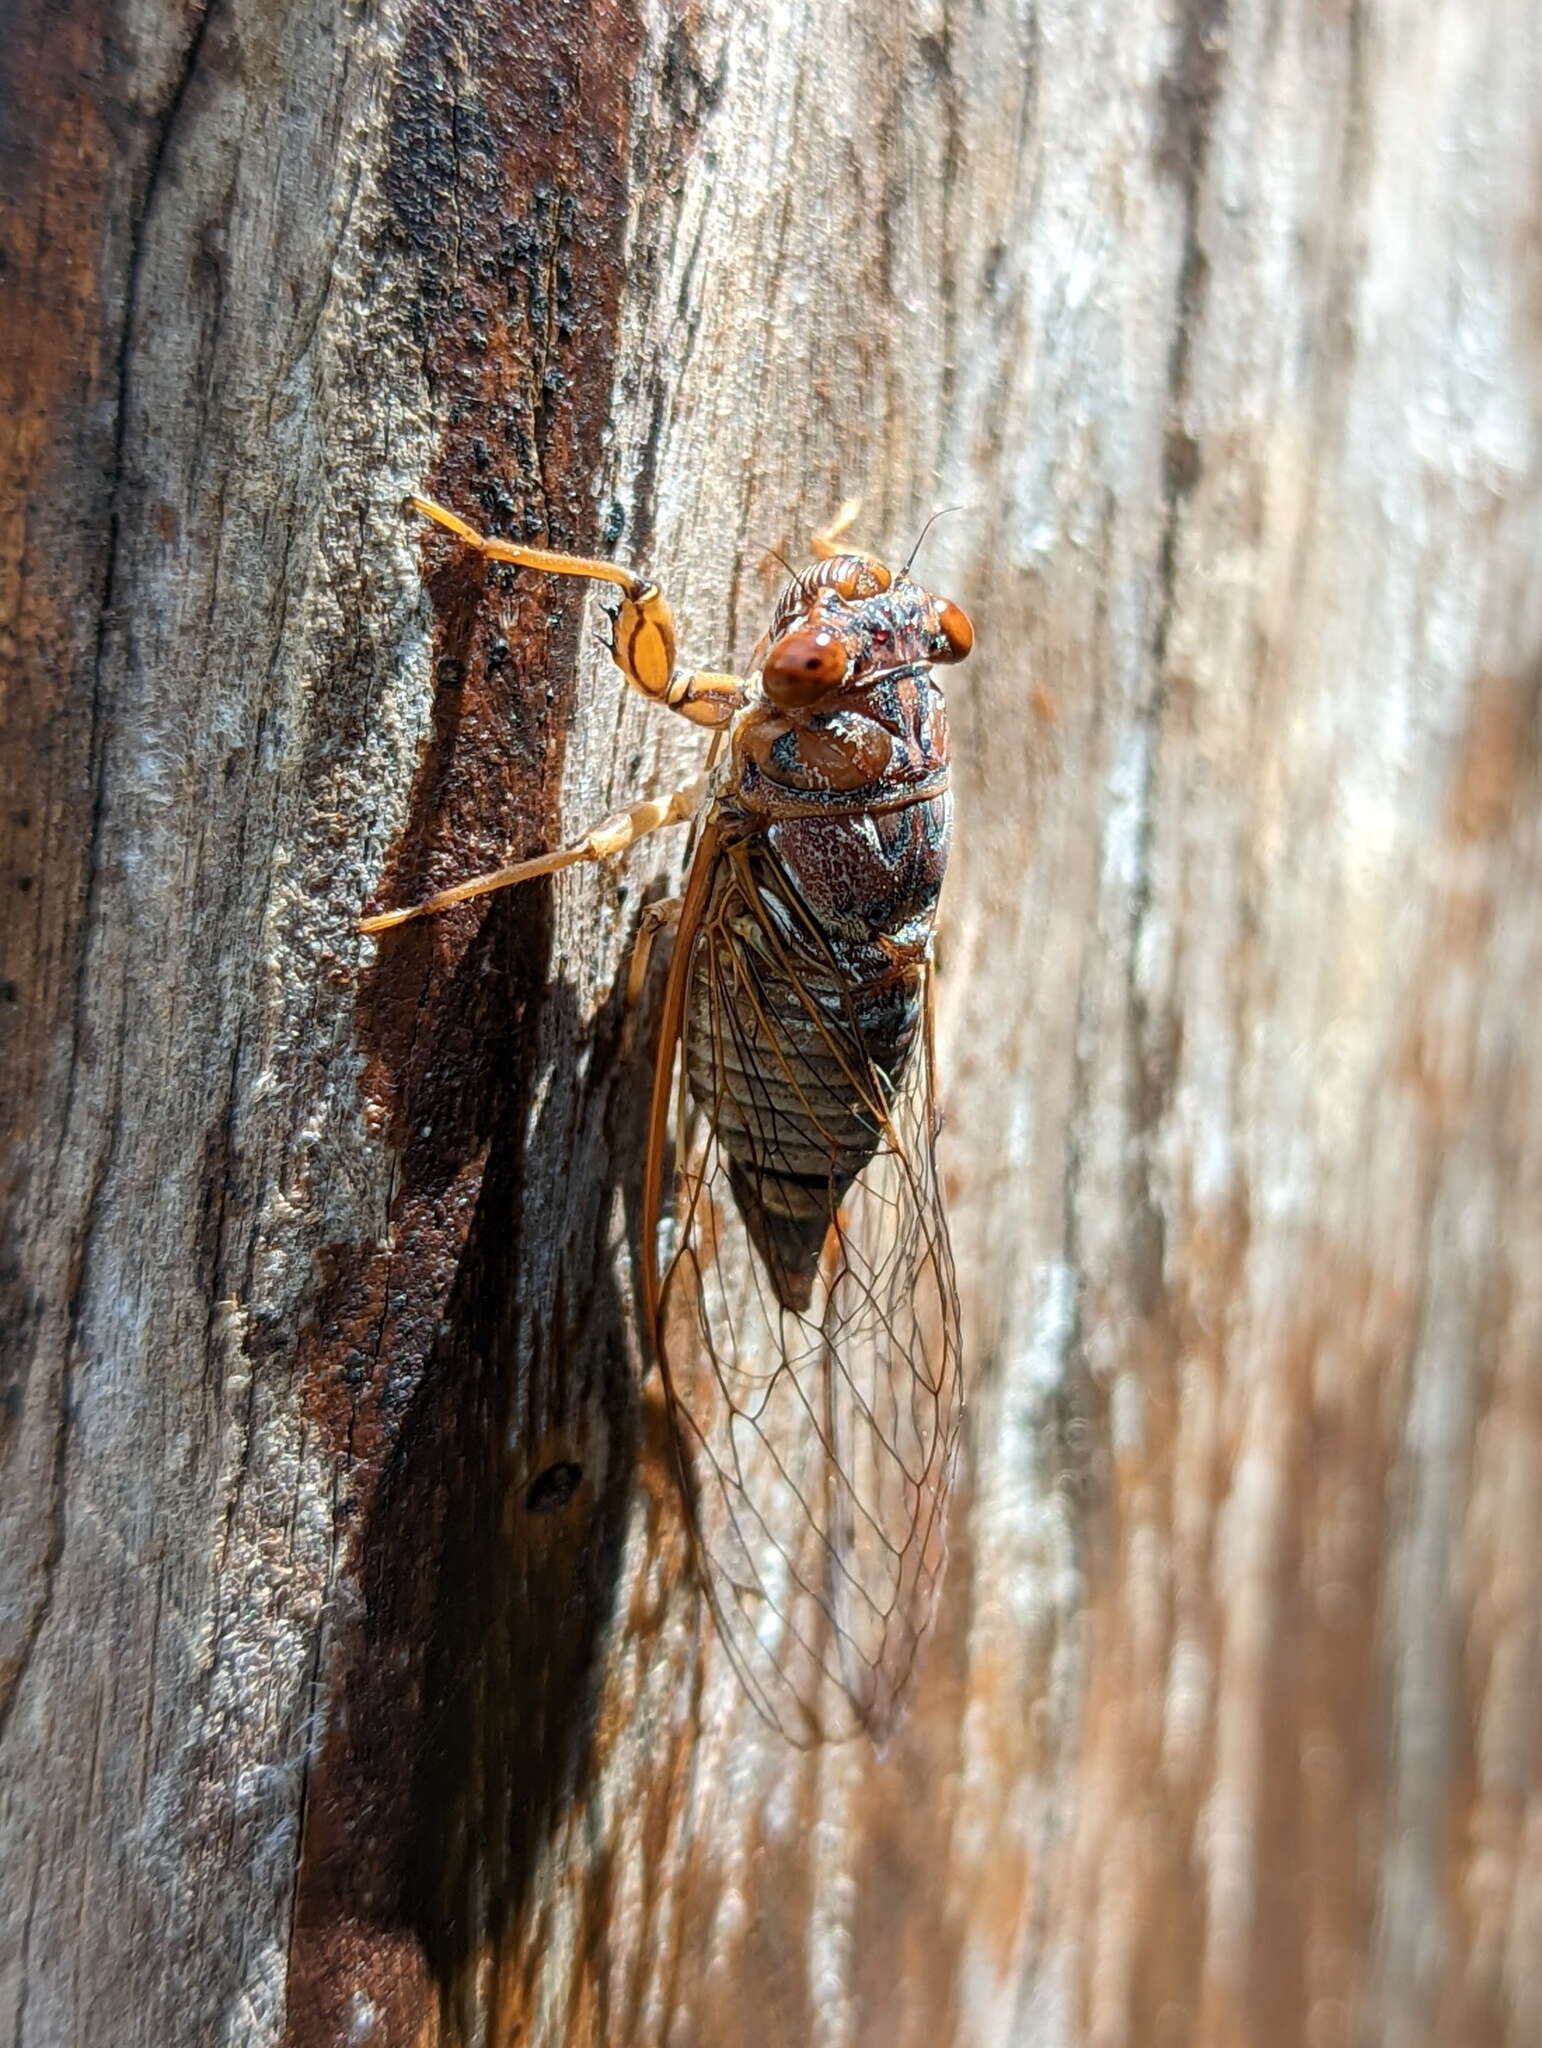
x: 354, y: 1684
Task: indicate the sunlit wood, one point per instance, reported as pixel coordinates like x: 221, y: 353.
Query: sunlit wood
x: 353, y: 1682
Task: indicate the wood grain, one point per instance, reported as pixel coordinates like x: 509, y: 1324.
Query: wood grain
x: 353, y: 1684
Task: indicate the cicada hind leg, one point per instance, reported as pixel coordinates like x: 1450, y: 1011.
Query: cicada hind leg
x: 642, y: 645
x: 657, y: 920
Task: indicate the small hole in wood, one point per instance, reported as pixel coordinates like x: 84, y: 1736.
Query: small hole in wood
x: 554, y: 1488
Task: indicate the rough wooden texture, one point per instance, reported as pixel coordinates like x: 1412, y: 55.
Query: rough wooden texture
x: 332, y: 1709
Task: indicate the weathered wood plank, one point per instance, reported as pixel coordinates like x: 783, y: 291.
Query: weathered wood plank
x: 352, y: 1682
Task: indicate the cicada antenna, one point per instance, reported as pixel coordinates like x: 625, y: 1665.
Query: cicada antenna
x: 926, y: 529
x: 777, y: 556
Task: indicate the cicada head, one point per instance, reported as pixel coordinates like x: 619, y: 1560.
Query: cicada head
x: 846, y: 622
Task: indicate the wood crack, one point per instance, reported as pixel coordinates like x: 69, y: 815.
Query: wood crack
x: 1190, y: 97
x: 59, y: 1459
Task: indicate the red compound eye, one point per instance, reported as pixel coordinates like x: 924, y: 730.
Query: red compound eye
x: 955, y: 632
x: 802, y: 667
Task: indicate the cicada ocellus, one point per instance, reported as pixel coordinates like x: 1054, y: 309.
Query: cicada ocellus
x: 812, y: 1374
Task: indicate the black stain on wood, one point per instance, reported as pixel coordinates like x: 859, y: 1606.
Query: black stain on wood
x: 469, y: 1388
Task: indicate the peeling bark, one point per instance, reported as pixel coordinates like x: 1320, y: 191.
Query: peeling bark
x: 353, y: 1684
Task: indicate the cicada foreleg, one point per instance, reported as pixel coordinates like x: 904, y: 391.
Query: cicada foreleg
x: 612, y: 835
x: 642, y: 642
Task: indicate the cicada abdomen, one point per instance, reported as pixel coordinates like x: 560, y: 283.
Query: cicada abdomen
x: 815, y: 1384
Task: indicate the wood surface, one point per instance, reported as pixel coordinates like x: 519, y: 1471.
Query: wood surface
x: 353, y: 1683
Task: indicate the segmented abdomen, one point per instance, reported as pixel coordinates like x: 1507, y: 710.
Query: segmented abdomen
x: 805, y: 1008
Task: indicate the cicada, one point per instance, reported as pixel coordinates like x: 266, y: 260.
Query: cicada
x: 799, y: 1289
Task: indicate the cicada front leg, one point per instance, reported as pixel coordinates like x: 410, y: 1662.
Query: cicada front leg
x: 642, y: 645
x: 827, y: 542
x: 642, y: 641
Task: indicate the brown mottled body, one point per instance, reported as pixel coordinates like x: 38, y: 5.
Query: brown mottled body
x: 849, y: 872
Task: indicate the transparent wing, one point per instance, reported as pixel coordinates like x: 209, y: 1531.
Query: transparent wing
x: 817, y: 1442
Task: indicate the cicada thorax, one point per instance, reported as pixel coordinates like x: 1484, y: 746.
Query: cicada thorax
x: 836, y: 820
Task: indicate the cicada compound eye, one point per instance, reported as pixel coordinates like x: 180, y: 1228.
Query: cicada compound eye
x: 955, y: 635
x: 803, y: 667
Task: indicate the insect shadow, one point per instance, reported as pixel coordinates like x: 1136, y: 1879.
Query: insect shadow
x: 489, y: 1550
x: 538, y: 1465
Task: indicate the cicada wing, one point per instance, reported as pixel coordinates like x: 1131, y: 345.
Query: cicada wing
x: 817, y: 1441
x: 894, y: 1396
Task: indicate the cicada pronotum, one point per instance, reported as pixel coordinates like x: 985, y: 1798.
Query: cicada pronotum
x: 812, y: 1376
